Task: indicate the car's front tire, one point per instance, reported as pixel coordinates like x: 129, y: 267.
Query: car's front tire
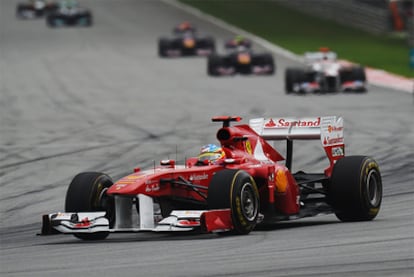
x: 293, y: 77
x: 269, y: 61
x: 163, y: 46
x: 87, y: 193
x: 213, y: 62
x: 237, y: 190
x: 358, y: 73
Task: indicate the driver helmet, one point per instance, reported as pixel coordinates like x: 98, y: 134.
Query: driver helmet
x: 239, y: 39
x: 185, y: 26
x: 211, y: 154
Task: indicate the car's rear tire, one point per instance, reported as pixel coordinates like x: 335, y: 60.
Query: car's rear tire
x: 355, y: 190
x: 87, y: 193
x: 268, y: 60
x: 211, y: 44
x: 237, y: 190
x: 88, y: 20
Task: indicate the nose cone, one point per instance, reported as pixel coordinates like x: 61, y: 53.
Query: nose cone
x: 129, y: 185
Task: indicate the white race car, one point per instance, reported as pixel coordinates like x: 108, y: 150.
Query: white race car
x: 323, y: 73
x: 35, y: 8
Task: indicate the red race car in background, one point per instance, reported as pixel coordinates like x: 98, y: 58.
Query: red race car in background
x: 248, y: 185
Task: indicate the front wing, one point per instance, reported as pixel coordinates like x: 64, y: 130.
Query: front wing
x: 94, y: 222
x: 311, y: 87
x: 177, y: 51
x: 225, y: 70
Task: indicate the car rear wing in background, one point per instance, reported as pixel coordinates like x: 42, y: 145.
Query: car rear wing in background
x: 329, y: 129
x: 311, y: 57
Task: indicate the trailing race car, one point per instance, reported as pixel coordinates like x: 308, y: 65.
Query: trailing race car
x: 237, y: 41
x: 184, y: 27
x: 323, y: 73
x: 227, y: 188
x: 35, y: 9
x: 241, y: 59
x: 69, y: 14
x: 186, y: 42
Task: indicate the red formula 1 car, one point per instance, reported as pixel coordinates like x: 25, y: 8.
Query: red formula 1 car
x: 249, y: 186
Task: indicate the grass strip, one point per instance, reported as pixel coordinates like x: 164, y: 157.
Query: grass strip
x: 299, y: 33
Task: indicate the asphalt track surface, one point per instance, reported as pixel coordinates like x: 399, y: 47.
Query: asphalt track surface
x: 82, y: 99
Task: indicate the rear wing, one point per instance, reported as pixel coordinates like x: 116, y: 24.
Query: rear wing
x: 329, y: 129
x: 311, y: 57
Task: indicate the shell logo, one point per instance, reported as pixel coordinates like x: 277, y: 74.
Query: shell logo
x: 334, y: 129
x: 281, y: 181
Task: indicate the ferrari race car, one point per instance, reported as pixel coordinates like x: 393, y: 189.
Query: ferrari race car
x: 250, y: 185
x: 69, y: 14
x: 241, y: 59
x: 323, y: 73
x: 186, y: 42
x: 35, y: 9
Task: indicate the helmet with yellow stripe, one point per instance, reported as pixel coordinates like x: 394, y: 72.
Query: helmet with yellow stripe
x: 210, y: 154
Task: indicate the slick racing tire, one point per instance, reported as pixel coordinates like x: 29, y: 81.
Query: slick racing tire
x: 213, y: 63
x: 20, y: 11
x: 289, y: 80
x: 163, y: 45
x: 87, y: 193
x: 293, y: 76
x: 265, y: 60
x: 51, y: 21
x: 211, y: 44
x: 358, y: 73
x: 268, y: 60
x: 355, y: 191
x: 235, y: 189
x: 86, y: 20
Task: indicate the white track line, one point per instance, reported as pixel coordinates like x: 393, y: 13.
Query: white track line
x: 384, y: 79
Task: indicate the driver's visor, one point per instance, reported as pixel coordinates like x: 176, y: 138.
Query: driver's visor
x: 209, y: 156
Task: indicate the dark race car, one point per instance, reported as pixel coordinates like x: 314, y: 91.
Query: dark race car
x: 185, y: 42
x: 184, y: 27
x: 35, y: 9
x: 227, y: 188
x: 323, y: 73
x: 234, y: 43
x: 69, y: 14
x: 240, y: 58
